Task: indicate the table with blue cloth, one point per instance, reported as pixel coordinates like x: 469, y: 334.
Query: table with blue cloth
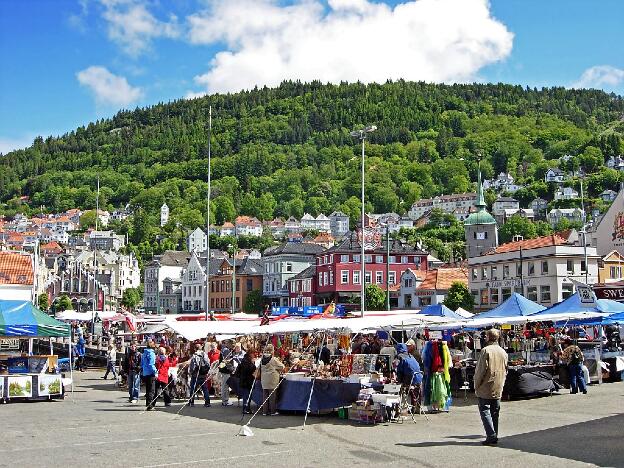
x: 293, y: 395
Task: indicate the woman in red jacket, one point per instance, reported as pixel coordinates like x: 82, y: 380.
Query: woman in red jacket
x: 162, y: 380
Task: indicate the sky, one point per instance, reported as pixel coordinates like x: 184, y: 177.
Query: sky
x: 65, y: 63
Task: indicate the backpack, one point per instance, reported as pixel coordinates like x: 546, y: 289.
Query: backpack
x: 199, y: 365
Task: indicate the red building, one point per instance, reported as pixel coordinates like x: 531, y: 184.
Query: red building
x: 338, y: 269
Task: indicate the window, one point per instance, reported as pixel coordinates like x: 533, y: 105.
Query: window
x: 289, y: 267
x: 616, y: 272
x: 494, y: 295
x: 566, y: 291
x: 505, y: 271
x: 484, y: 297
x: 237, y: 284
x: 532, y: 293
x: 583, y: 266
x: 379, y: 277
x: 545, y: 294
x: 484, y: 274
x: 506, y: 292
x: 475, y: 274
x: 518, y: 269
x: 392, y: 277
x: 544, y: 267
x: 531, y: 268
x: 344, y: 277
x: 494, y: 273
x: 475, y: 295
x: 356, y: 259
x: 392, y: 259
x: 249, y: 284
x: 408, y: 282
x: 356, y: 277
x: 344, y: 259
x: 331, y: 277
x: 570, y: 266
x: 404, y: 259
x: 320, y: 279
x: 325, y: 278
x: 379, y: 259
x: 368, y: 277
x: 368, y: 258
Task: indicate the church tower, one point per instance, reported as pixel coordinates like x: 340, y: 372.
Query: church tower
x: 164, y: 214
x: 480, y: 227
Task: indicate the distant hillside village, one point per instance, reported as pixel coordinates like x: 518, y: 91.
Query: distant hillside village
x: 316, y: 259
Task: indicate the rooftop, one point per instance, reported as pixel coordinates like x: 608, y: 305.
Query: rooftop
x: 16, y: 268
x: 443, y: 278
x: 559, y: 238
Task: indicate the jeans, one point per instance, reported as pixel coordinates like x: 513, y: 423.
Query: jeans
x: 195, y: 382
x: 162, y: 388
x: 577, y: 379
x: 489, y: 411
x: 110, y: 367
x: 150, y: 394
x: 270, y: 406
x: 225, y: 390
x: 134, y: 385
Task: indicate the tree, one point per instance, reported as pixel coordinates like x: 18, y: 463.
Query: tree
x: 517, y: 225
x: 63, y: 303
x: 375, y: 297
x: 87, y: 220
x: 459, y: 296
x: 253, y: 302
x: 42, y: 301
x: 224, y: 209
x: 131, y: 297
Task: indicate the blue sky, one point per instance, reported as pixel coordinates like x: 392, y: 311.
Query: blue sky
x: 68, y: 62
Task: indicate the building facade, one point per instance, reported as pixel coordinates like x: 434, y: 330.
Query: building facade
x: 168, y: 265
x: 480, y: 227
x: 302, y: 288
x: 282, y: 262
x: 447, y: 203
x: 541, y: 269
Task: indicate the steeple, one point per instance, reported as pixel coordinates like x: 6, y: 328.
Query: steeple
x: 480, y: 199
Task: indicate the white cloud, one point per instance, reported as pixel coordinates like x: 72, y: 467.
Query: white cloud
x: 266, y: 43
x: 133, y: 27
x: 108, y: 89
x: 600, y: 77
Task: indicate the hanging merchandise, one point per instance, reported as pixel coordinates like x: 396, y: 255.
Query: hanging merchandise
x: 437, y: 379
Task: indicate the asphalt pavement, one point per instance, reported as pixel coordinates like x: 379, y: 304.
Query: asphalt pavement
x: 96, y: 426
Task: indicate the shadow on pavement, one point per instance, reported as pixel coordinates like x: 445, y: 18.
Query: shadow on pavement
x: 596, y: 441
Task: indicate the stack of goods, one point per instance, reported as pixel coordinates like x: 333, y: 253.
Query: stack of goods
x: 437, y: 379
x: 364, y: 410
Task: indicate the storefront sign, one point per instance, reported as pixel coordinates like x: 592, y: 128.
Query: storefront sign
x: 510, y: 283
x: 616, y: 294
x: 9, y: 343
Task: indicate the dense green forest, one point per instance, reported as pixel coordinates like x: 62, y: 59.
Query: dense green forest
x: 287, y: 150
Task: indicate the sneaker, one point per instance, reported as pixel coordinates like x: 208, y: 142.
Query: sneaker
x: 167, y: 405
x: 130, y: 400
x: 135, y: 401
x: 490, y: 442
x: 104, y: 378
x: 207, y: 405
x: 149, y: 408
x: 227, y: 404
x: 584, y: 392
x: 275, y: 414
x: 247, y: 411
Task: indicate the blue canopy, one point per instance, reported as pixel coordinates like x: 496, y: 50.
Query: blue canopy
x: 609, y: 305
x: 571, y: 305
x: 440, y: 310
x: 516, y: 305
x: 23, y: 319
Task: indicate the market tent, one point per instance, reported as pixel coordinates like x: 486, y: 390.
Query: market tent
x: 572, y: 305
x: 72, y: 315
x: 440, y: 310
x: 464, y: 313
x: 23, y: 319
x: 199, y: 329
x: 515, y: 306
x: 611, y: 306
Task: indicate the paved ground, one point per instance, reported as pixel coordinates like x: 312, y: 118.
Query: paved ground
x: 97, y: 427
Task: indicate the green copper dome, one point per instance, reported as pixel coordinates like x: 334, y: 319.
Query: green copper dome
x: 480, y: 217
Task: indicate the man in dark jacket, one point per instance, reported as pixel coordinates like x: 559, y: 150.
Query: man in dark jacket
x: 132, y: 366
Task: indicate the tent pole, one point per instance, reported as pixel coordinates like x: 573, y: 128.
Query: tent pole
x: 51, y: 347
x: 31, y: 343
x: 71, y: 367
x: 318, y: 359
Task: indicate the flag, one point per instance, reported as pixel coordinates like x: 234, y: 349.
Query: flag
x: 131, y: 321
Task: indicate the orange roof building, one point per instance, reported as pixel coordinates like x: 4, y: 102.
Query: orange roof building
x: 16, y: 268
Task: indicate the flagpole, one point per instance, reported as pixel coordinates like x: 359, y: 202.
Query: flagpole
x: 208, y: 217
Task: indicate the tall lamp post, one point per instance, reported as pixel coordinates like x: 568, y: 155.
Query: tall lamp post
x: 361, y: 134
x: 208, y: 218
x: 233, y: 248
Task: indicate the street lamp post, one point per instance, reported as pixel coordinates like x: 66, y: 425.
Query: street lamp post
x: 233, y: 248
x: 361, y: 134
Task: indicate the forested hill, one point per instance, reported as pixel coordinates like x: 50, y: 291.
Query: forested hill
x: 286, y: 151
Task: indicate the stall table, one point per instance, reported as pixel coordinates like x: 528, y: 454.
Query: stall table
x: 293, y: 395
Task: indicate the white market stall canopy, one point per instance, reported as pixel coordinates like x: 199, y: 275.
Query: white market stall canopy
x: 72, y: 315
x: 195, y: 330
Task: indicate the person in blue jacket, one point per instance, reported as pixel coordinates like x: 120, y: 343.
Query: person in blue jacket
x: 149, y: 372
x: 408, y: 370
x: 80, y: 353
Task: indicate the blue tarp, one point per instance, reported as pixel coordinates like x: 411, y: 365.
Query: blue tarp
x: 23, y: 319
x: 569, y: 306
x: 608, y: 305
x: 440, y: 310
x: 516, y: 305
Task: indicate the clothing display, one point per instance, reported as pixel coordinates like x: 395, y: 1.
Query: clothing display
x: 437, y: 378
